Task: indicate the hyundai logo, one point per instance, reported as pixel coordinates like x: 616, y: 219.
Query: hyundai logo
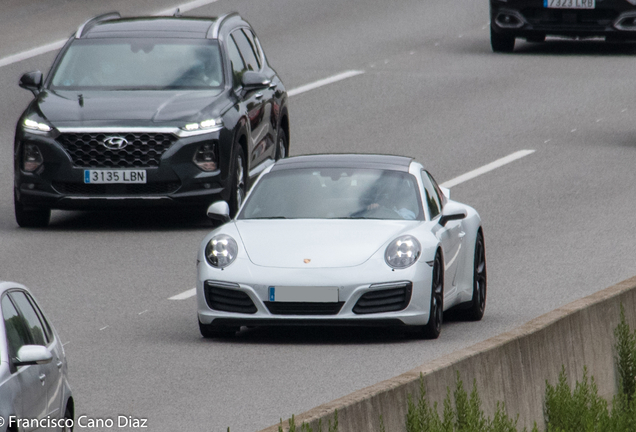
x: 115, y: 143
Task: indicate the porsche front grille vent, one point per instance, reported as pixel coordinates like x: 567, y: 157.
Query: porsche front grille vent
x: 394, y: 297
x: 220, y: 298
x: 297, y: 308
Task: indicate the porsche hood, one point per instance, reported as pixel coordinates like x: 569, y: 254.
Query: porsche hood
x: 316, y: 243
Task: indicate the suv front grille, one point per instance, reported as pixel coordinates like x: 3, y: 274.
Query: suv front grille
x: 161, y: 188
x: 144, y: 150
x: 220, y: 298
x: 394, y: 298
x: 581, y: 18
x: 298, y: 308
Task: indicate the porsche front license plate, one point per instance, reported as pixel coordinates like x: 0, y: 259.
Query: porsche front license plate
x: 570, y: 4
x: 114, y: 176
x: 303, y: 294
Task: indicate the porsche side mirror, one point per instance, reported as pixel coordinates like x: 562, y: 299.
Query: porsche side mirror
x: 452, y: 211
x: 219, y: 211
x: 33, y: 355
x: 445, y: 191
x: 32, y: 81
x: 254, y: 81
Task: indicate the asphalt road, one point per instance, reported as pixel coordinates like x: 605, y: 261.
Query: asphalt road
x: 559, y: 223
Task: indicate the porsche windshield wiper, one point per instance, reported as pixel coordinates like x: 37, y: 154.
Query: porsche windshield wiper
x: 269, y: 217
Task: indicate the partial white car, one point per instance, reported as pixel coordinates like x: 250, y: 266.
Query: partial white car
x: 342, y: 240
x: 34, y: 390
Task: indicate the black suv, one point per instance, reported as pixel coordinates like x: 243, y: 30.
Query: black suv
x: 149, y: 111
x: 534, y: 19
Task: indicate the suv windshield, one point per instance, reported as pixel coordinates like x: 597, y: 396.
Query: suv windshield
x: 139, y: 63
x: 334, y: 193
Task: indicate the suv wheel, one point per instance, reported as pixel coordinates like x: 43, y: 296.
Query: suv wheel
x: 30, y: 217
x: 281, y: 148
x: 239, y: 182
x: 501, y: 43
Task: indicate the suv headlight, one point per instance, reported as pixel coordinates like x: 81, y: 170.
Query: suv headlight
x: 402, y: 252
x: 36, y: 126
x: 221, y: 251
x: 204, y: 126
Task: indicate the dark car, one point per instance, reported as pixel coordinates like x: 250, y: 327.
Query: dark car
x: 149, y: 111
x: 534, y: 19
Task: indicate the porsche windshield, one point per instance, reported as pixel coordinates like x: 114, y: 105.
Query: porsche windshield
x: 137, y: 63
x: 334, y: 193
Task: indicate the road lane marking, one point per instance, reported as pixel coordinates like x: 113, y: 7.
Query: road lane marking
x: 186, y: 7
x: 66, y: 343
x: 185, y: 295
x: 142, y: 312
x: 24, y: 55
x: 103, y: 328
x: 486, y: 168
x: 324, y: 82
x: 53, y: 46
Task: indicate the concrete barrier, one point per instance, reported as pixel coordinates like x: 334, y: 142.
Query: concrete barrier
x: 512, y: 367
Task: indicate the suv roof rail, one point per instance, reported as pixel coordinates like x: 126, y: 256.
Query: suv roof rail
x: 214, y: 31
x: 91, y: 22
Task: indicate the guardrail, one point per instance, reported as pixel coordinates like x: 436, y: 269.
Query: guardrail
x: 512, y: 367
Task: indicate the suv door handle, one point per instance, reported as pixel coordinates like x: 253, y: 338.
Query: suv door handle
x: 59, y: 364
x: 258, y: 95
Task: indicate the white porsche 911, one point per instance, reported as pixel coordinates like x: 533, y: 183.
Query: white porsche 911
x: 342, y: 240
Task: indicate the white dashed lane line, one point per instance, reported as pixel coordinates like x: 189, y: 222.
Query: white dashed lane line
x: 53, y: 46
x: 486, y: 168
x: 184, y: 295
x: 324, y: 82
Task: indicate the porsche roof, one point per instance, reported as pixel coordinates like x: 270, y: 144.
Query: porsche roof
x: 385, y: 162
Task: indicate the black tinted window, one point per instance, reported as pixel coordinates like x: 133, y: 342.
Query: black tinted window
x: 245, y: 47
x: 16, y: 329
x: 30, y: 318
x: 238, y: 67
x: 255, y: 46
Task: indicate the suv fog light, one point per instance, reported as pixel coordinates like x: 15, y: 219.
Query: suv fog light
x: 205, y: 157
x: 32, y: 158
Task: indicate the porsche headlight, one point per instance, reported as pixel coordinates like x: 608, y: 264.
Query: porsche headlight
x: 403, y: 252
x: 221, y: 251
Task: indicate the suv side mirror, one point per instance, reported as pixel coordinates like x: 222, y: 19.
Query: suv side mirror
x: 220, y: 211
x: 254, y: 81
x: 32, y: 81
x: 452, y: 211
x: 33, y: 355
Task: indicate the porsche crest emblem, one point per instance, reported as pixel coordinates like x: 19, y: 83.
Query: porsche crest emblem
x: 306, y: 260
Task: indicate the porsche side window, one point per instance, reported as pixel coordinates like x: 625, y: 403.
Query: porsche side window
x: 432, y: 200
x: 238, y: 67
x: 438, y: 191
x: 30, y: 318
x: 16, y: 329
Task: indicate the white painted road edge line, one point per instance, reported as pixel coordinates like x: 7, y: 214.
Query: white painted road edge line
x: 486, y: 168
x: 454, y: 182
x: 185, y: 295
x: 324, y: 82
x: 24, y: 55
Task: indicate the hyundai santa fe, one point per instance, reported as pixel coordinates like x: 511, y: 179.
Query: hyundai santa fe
x: 149, y: 111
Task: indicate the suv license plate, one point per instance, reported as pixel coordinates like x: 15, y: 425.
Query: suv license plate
x: 114, y: 176
x: 570, y: 4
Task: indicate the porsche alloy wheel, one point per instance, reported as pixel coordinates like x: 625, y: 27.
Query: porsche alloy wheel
x: 478, y: 306
x: 433, y: 328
